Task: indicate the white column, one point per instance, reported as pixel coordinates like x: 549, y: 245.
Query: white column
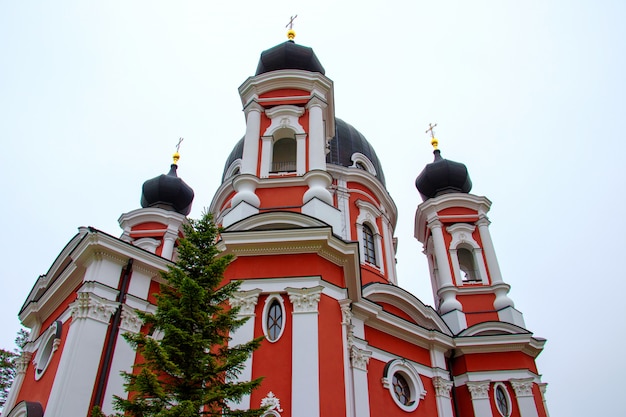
x: 490, y: 252
x: 360, y: 359
x: 347, y: 338
x: 480, y: 398
x: 266, y: 156
x: 305, y: 352
x: 317, y: 142
x: 390, y: 258
x: 442, y: 395
x: 246, y: 301
x: 525, y: 400
x: 447, y: 290
x: 169, y: 239
x: 20, y: 371
x: 76, y: 375
x: 251, y: 140
x: 300, y: 153
x: 123, y: 359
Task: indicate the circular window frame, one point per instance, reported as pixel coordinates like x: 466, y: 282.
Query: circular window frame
x: 48, y: 344
x: 507, y: 396
x: 412, y: 378
x: 266, y: 310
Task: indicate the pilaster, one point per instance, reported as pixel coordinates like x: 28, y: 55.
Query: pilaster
x: 443, y: 388
x: 479, y: 391
x: 305, y: 351
x: 524, y: 394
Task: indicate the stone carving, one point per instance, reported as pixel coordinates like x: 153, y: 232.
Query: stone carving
x: 478, y: 389
x: 271, y: 402
x: 522, y: 387
x: 22, y: 362
x: 305, y: 300
x: 130, y: 321
x: 359, y: 358
x: 91, y: 306
x: 246, y: 301
x: 442, y: 387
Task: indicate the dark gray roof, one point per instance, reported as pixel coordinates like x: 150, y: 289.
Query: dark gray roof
x: 289, y: 55
x: 343, y: 145
x: 167, y: 192
x: 443, y: 176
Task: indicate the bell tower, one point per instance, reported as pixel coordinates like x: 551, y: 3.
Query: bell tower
x: 453, y: 226
x: 290, y: 120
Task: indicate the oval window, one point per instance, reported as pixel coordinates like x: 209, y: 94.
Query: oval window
x: 502, y: 400
x: 274, y: 321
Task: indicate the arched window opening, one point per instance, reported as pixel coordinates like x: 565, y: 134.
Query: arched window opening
x: 360, y: 165
x: 284, y: 155
x: 467, y: 265
x: 368, y: 245
x: 274, y: 322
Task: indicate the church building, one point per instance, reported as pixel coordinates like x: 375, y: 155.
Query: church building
x: 310, y: 223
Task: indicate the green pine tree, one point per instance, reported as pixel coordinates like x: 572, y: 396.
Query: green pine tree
x: 189, y: 369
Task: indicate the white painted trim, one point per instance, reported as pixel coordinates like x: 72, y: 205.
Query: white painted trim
x: 234, y: 166
x: 411, y: 376
x: 47, y: 345
x: 359, y: 157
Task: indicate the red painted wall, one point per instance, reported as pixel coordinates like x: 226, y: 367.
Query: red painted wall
x: 332, y: 378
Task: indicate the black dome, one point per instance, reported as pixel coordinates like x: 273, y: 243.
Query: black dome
x: 343, y: 145
x: 441, y: 177
x: 167, y: 192
x: 289, y: 55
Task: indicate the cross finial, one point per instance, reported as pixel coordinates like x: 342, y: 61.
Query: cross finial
x: 431, y: 130
x: 176, y: 155
x: 291, y: 34
x: 290, y: 24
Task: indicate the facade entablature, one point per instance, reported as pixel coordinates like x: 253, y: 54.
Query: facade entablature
x: 433, y: 209
x: 420, y: 314
x: 91, y: 256
x: 318, y: 86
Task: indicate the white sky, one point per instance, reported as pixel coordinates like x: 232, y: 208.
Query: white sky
x: 529, y: 95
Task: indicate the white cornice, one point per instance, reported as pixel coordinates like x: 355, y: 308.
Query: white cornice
x: 407, y: 302
x: 427, y: 211
x: 82, y: 249
x: 313, y: 82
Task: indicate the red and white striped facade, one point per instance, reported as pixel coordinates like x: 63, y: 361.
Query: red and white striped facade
x: 314, y: 244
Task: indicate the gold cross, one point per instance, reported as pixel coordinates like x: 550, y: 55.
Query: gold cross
x: 430, y: 129
x: 290, y: 24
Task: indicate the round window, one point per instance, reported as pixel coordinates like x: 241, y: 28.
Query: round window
x: 401, y: 389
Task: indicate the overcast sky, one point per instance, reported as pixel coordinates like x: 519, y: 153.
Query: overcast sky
x: 529, y: 95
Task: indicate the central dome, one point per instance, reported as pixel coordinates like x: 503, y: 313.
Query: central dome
x: 346, y: 142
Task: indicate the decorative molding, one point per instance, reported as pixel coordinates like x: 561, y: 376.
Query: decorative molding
x: 305, y: 300
x: 442, y: 387
x: 130, y: 320
x: 91, y: 306
x: 246, y: 301
x: 271, y: 402
x: 359, y: 358
x: 346, y: 312
x: 22, y: 362
x: 478, y: 389
x: 523, y: 387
